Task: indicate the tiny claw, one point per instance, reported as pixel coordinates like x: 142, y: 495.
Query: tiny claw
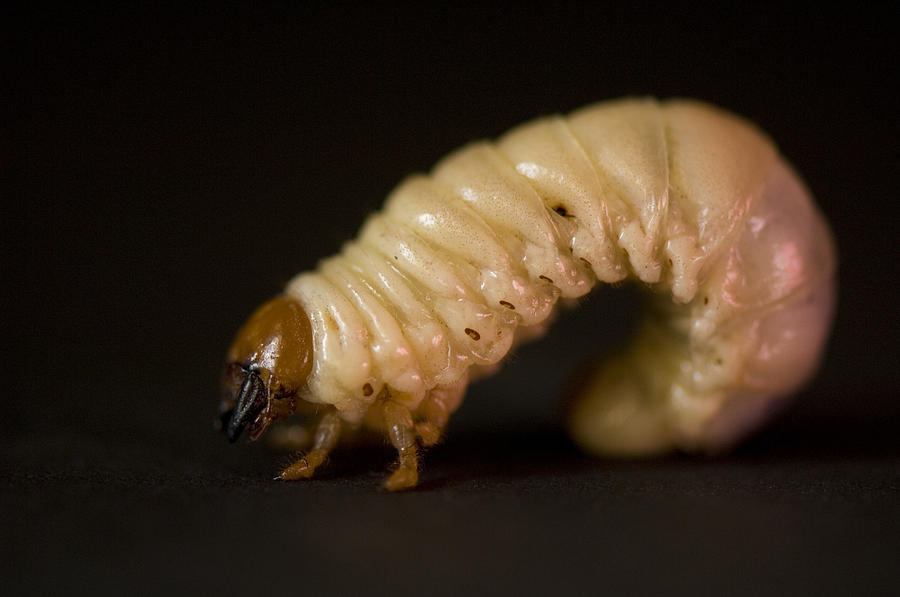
x: 304, y: 467
x: 297, y: 470
x: 402, y: 478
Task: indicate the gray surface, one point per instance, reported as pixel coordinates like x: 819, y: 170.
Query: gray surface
x: 808, y: 508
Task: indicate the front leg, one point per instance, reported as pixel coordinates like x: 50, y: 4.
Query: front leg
x: 435, y: 410
x: 434, y: 414
x: 327, y: 433
x: 402, y: 433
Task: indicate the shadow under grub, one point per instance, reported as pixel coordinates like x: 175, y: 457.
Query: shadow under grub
x: 466, y: 454
x: 515, y: 452
x: 474, y: 451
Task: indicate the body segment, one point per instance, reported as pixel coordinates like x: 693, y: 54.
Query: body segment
x: 463, y: 264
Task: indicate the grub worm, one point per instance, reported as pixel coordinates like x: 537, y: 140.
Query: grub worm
x: 462, y: 264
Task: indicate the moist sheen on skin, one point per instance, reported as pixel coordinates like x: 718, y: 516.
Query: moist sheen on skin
x: 462, y: 264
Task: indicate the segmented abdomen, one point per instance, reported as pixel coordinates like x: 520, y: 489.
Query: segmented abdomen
x: 441, y: 278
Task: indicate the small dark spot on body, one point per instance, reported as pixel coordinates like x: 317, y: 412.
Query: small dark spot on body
x: 587, y: 263
x: 545, y: 278
x: 473, y: 334
x: 705, y: 300
x: 561, y: 210
x: 395, y: 257
x: 671, y: 263
x: 508, y: 305
x: 718, y: 361
x: 367, y: 390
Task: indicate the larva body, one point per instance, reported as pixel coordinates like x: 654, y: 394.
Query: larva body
x: 464, y: 263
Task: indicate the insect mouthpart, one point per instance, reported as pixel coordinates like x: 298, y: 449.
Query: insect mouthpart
x: 251, y: 401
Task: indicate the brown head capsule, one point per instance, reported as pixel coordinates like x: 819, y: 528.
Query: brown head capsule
x: 266, y: 366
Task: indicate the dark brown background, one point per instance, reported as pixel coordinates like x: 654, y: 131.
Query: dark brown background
x: 166, y: 171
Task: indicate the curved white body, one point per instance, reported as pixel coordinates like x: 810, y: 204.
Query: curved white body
x: 690, y: 200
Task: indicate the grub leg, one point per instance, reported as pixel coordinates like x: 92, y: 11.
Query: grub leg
x: 402, y: 434
x: 436, y: 409
x: 327, y: 433
x: 435, y: 415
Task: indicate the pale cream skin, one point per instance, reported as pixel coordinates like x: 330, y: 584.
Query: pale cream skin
x: 463, y: 263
